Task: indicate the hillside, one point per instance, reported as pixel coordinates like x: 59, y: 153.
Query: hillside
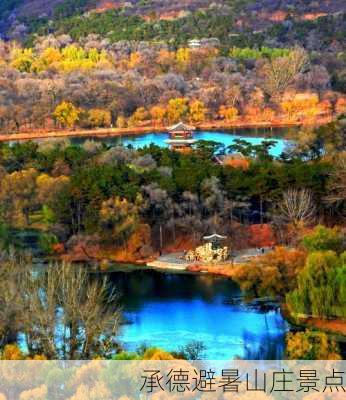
x: 18, y: 18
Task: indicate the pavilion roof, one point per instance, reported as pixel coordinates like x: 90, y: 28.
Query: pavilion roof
x: 215, y: 236
x: 180, y: 126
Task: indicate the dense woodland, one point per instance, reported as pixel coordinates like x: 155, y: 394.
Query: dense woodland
x: 58, y: 83
x: 93, y: 195
x: 118, y: 68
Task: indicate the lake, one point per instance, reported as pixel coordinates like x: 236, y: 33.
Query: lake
x: 254, y: 136
x: 170, y: 310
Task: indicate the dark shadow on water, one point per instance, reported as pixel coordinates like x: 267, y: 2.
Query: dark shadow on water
x: 265, y: 347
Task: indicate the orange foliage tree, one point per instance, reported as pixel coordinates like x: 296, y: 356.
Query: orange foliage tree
x: 273, y: 273
x: 230, y: 114
x: 239, y: 163
x: 301, y: 105
x: 158, y: 114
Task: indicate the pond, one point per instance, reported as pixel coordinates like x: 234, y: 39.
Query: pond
x: 170, y: 310
x: 253, y: 136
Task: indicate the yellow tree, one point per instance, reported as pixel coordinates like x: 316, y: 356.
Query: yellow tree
x: 183, y: 57
x: 134, y: 60
x: 76, y: 58
x: 158, y: 113
x: 50, y: 57
x: 198, y: 111
x: 22, y: 59
x: 310, y: 345
x: 47, y: 187
x: 301, y: 105
x: 121, y: 122
x: 39, y: 393
x: 177, y: 109
x: 230, y: 114
x: 17, y: 194
x: 138, y: 116
x: 66, y: 114
x: 99, y: 118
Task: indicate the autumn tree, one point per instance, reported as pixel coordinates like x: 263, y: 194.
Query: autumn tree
x: 98, y: 118
x: 323, y: 239
x: 66, y: 114
x: 158, y: 114
x: 22, y: 59
x: 165, y: 59
x: 49, y: 58
x: 197, y: 111
x: 271, y: 274
x: 48, y: 187
x: 304, y: 105
x: 139, y: 116
x: 177, y: 109
x: 60, y: 312
x: 17, y: 196
x: 183, y: 58
x: 13, y: 271
x: 230, y: 114
x: 280, y: 72
x: 311, y: 345
x: 121, y: 122
x: 118, y: 219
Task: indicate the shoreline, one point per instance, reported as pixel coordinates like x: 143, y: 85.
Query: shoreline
x: 116, y: 132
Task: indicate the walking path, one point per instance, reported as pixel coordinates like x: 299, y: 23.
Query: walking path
x: 175, y: 261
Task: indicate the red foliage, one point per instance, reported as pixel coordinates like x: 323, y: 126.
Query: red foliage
x: 182, y: 243
x: 59, y: 248
x: 261, y: 235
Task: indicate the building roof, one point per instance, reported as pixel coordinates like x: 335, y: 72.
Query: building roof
x: 180, y: 126
x: 181, y: 141
x: 215, y: 236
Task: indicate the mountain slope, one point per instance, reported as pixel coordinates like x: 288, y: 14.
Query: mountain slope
x: 18, y: 17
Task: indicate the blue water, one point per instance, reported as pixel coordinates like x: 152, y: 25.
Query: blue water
x: 171, y: 310
x: 253, y: 136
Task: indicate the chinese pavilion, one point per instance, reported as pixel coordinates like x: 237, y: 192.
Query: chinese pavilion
x: 181, y: 137
x: 215, y: 240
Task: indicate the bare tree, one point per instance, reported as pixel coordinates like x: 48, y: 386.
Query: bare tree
x: 67, y: 316
x: 281, y: 72
x: 13, y: 271
x: 61, y: 311
x: 297, y: 206
x: 337, y: 184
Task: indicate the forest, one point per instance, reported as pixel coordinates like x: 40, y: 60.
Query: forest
x: 115, y: 201
x: 62, y: 84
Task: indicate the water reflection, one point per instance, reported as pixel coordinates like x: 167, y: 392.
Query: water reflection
x: 171, y: 310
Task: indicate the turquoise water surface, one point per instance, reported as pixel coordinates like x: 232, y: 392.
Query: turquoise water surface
x: 253, y: 136
x: 171, y: 310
